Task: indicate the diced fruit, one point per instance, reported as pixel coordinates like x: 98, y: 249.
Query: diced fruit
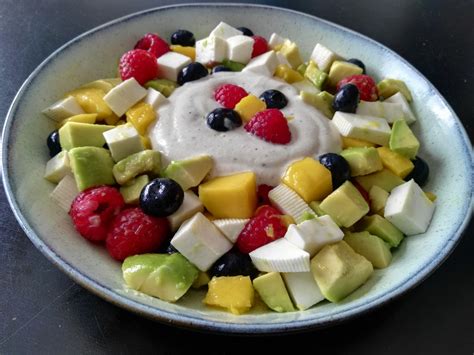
x: 231, y: 227
x: 302, y: 68
x: 220, y: 68
x: 189, y: 172
x: 307, y: 86
x: 191, y: 72
x: 388, y: 110
x: 211, y: 50
x: 346, y: 99
x: 171, y: 64
x: 370, y: 247
x: 362, y: 161
x: 431, y: 196
x: 288, y: 202
x: 322, y: 101
x: 167, y: 277
x: 273, y: 292
x: 202, y: 280
x: 123, y: 141
x: 403, y: 141
x: 102, y: 84
x: 124, y: 96
x: 223, y: 119
x: 234, y: 263
x: 53, y: 143
x: 183, y: 38
x: 382, y: 228
x: 378, y: 197
x: 398, y: 98
x: 81, y: 118
x: 147, y: 161
x: 63, y: 109
x: 235, y: 293
x: 291, y: 52
x: 233, y: 196
x: 92, y: 101
x: 65, y: 192
x: 223, y: 30
x: 138, y: 64
x: 396, y: 163
x: 357, y: 62
x: 245, y: 31
x: 249, y: 106
x: 92, y: 166
x: 232, y: 66
x: 340, y: 70
x: 131, y: 190
x: 383, y: 178
x: 166, y: 87
x: 274, y: 99
x: 303, y: 289
x: 188, y: 51
x: 348, y: 142
x: 323, y: 57
x: 287, y: 74
x: 153, y: 44
x: 420, y: 172
x: 74, y: 134
x: 389, y: 87
x: 141, y: 116
x: 229, y: 95
x: 365, y: 84
x: 339, y: 270
x: 275, y: 41
x: 270, y: 125
x: 264, y: 64
x: 315, y: 75
x: 315, y: 206
x: 161, y: 197
x: 240, y: 48
x: 57, y: 167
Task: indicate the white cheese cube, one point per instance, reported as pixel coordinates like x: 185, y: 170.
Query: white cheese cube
x: 170, y: 64
x: 200, y: 241
x: 57, y: 167
x: 264, y: 64
x: 124, y: 95
x: 223, y: 30
x: 282, y: 59
x: 123, y: 140
x: 211, y: 50
x: 398, y: 98
x: 312, y: 235
x: 154, y: 98
x: 231, y: 227
x: 65, y: 192
x: 280, y: 256
x: 303, y: 289
x: 372, y: 129
x: 276, y: 40
x: 390, y: 111
x: 239, y: 48
x: 190, y: 206
x: 289, y: 202
x: 307, y: 86
x: 63, y: 109
x: 409, y: 209
x: 323, y: 57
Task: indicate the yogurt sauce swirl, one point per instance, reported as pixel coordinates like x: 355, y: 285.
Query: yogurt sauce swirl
x: 181, y: 132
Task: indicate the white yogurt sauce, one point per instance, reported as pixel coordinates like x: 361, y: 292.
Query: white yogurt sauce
x: 181, y: 131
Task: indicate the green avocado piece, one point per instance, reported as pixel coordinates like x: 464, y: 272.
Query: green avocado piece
x: 189, y: 172
x: 146, y: 161
x: 272, y: 291
x: 166, y: 276
x: 91, y: 166
x: 389, y: 87
x: 234, y: 66
x: 76, y: 134
x: 382, y: 228
x: 165, y: 86
x: 340, y: 70
x: 292, y: 53
x: 202, y: 280
x: 322, y: 101
x: 306, y: 216
x: 302, y: 68
x: 339, y: 270
x: 403, y: 141
x: 383, y: 178
x: 378, y: 198
x: 315, y: 206
x: 362, y: 160
x: 316, y: 76
x: 370, y: 247
x: 132, y: 189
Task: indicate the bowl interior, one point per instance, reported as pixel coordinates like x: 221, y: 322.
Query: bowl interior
x: 94, y: 55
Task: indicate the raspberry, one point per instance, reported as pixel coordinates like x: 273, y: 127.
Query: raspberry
x: 229, y: 95
x: 153, y: 44
x: 262, y: 194
x: 138, y: 64
x: 260, y: 46
x: 94, y: 209
x: 366, y: 85
x: 270, y: 125
x: 133, y: 232
x: 265, y: 227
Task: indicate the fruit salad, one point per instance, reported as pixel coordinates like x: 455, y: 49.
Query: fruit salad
x: 234, y: 165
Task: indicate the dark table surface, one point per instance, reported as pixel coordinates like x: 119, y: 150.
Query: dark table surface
x: 43, y: 311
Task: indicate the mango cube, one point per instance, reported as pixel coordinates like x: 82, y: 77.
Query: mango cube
x: 232, y: 292
x: 92, y: 101
x: 288, y: 74
x: 396, y: 163
x: 309, y: 178
x: 140, y: 116
x: 189, y: 52
x: 233, y: 196
x: 81, y: 118
x: 249, y: 106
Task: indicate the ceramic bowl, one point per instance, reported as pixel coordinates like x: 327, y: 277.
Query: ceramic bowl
x: 94, y: 54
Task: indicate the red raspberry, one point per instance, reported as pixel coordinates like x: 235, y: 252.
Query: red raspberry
x: 229, y: 95
x: 153, y: 44
x: 260, y: 46
x: 138, y: 64
x: 262, y: 194
x: 133, y: 232
x: 270, y: 125
x: 366, y: 85
x: 94, y: 209
x: 265, y: 227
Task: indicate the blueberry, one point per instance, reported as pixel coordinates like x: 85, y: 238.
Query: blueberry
x: 234, y: 263
x: 219, y: 68
x: 161, y: 197
x: 183, y: 38
x: 53, y: 143
x: 338, y: 166
x: 346, y: 99
x: 245, y: 31
x: 274, y: 99
x: 105, y: 146
x: 420, y: 172
x: 358, y: 62
x: 223, y: 119
x: 191, y: 72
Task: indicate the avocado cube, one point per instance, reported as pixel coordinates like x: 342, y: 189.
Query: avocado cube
x: 131, y: 190
x: 403, y: 141
x: 233, y: 66
x: 91, y: 166
x: 371, y: 247
x: 292, y: 54
x: 146, y: 161
x: 378, y: 198
x: 383, y: 178
x: 76, y: 134
x: 272, y: 291
x: 316, y: 76
x: 363, y: 160
x: 396, y: 163
x: 189, y: 172
x: 302, y: 68
x: 283, y: 71
x: 389, y: 87
x: 382, y: 228
x: 315, y: 206
x: 202, y: 280
x: 348, y: 142
x: 165, y: 86
x: 322, y: 101
x: 340, y: 70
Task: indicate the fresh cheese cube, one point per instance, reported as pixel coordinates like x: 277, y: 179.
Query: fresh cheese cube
x: 211, y: 50
x: 57, y: 167
x: 276, y: 41
x: 408, y: 208
x: 190, y: 206
x: 124, y: 95
x: 280, y: 256
x: 231, y: 227
x: 323, y: 57
x: 239, y: 48
x: 398, y: 98
x: 282, y: 59
x: 313, y: 234
x: 63, y: 109
x: 388, y: 110
x: 303, y: 289
x: 123, y: 141
x: 264, y: 64
x: 368, y: 128
x: 306, y: 86
x: 65, y: 192
x: 289, y: 202
x: 154, y: 98
x: 223, y: 30
x: 170, y: 64
x: 200, y: 241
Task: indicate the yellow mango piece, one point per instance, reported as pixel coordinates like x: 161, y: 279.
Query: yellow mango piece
x: 82, y: 118
x: 189, y: 52
x: 288, y: 74
x: 248, y: 107
x: 113, y: 119
x: 396, y: 163
x: 291, y: 52
x: 309, y: 178
x: 146, y: 142
x: 431, y: 196
x: 92, y: 101
x: 232, y: 196
x: 120, y: 122
x: 140, y: 116
x: 348, y: 142
x: 235, y: 293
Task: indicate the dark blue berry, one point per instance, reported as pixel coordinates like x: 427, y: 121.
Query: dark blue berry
x: 105, y: 146
x: 191, y: 72
x: 346, y: 99
x: 219, y: 68
x: 420, y: 172
x: 234, y: 263
x: 183, y: 38
x: 274, y: 99
x: 338, y: 166
x: 359, y: 63
x: 223, y: 119
x: 161, y: 197
x: 53, y: 143
x: 245, y: 31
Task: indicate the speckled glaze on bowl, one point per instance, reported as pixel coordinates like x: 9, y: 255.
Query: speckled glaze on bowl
x: 94, y: 54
